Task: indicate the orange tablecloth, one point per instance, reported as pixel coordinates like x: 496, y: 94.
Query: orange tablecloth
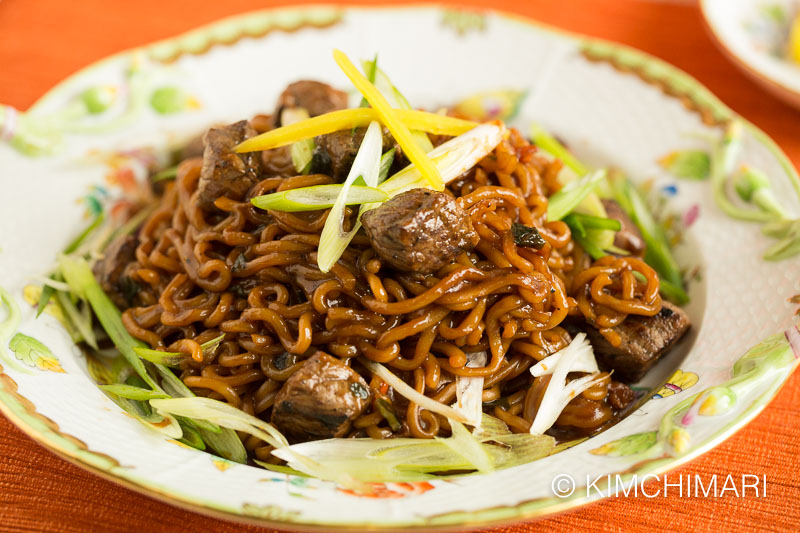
x: 43, y: 41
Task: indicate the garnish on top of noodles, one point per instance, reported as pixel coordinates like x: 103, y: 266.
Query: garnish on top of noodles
x: 490, y: 287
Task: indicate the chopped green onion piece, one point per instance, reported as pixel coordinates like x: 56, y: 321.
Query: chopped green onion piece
x: 333, y: 240
x: 370, y: 69
x: 386, y: 164
x: 221, y: 414
x: 132, y: 393
x: 565, y: 200
x: 585, y: 232
x: 392, y: 121
x: 658, y: 254
x: 550, y: 144
x: 96, y: 222
x: 452, y: 158
x: 141, y: 411
x: 318, y: 197
x: 191, y: 436
x: 593, y: 222
x: 395, y: 98
x: 81, y: 322
x: 407, y: 459
x: 44, y: 298
x: 464, y: 444
x: 575, y: 225
x: 388, y: 414
x: 780, y: 229
x: 174, y: 359
x: 78, y: 275
x: 225, y: 442
x: 673, y: 293
x: 53, y: 283
x: 166, y: 174
x: 559, y: 392
x: 302, y: 151
x: 402, y: 388
x: 490, y: 428
x: 589, y: 246
x: 280, y: 469
x: 469, y: 390
x: 171, y: 359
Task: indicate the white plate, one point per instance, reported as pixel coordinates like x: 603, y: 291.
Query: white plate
x: 613, y: 104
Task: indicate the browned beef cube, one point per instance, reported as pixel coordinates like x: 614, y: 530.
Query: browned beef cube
x: 420, y: 230
x: 335, y: 152
x: 644, y: 341
x: 315, y: 97
x: 226, y: 173
x: 628, y: 238
x: 320, y: 400
x: 111, y: 270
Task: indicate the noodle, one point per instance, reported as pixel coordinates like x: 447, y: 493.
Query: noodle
x: 251, y: 275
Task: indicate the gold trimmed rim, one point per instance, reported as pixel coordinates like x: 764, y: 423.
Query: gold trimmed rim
x: 554, y: 505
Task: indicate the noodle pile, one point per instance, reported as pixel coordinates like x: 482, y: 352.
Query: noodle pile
x: 251, y: 275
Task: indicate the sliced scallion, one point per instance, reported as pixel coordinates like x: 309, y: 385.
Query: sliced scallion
x: 173, y: 359
x: 302, y: 151
x: 573, y: 193
x: 392, y: 121
x: 452, y: 158
x: 318, y: 197
x: 78, y: 275
x: 402, y: 388
x: 395, y: 98
x: 334, y: 239
x: 132, y: 393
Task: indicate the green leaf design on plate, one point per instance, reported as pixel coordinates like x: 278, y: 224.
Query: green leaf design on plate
x: 270, y: 512
x: 687, y: 164
x: 8, y: 326
x: 168, y: 100
x: 98, y: 99
x: 756, y: 376
x: 34, y: 353
x: 630, y: 445
x: 464, y: 21
x: 499, y: 104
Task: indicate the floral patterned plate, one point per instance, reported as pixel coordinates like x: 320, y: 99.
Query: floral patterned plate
x: 93, y: 135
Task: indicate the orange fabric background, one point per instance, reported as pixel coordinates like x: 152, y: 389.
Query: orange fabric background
x: 43, y: 41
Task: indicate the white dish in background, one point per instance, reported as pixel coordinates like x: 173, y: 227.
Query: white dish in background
x: 753, y: 34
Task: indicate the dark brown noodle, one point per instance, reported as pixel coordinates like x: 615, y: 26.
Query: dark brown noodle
x: 252, y: 276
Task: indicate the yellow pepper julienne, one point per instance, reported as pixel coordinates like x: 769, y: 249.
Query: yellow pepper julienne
x: 391, y: 120
x: 353, y: 118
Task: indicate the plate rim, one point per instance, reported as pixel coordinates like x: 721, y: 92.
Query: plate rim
x: 22, y: 412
